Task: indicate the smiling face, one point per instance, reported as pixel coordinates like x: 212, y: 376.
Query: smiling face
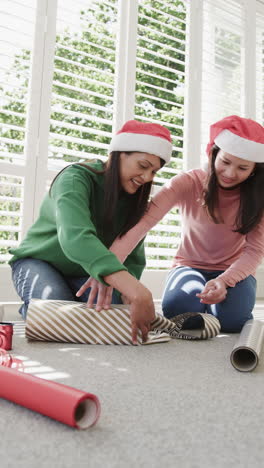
x: 231, y: 170
x: 137, y: 169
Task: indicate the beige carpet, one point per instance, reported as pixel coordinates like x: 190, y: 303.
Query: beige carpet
x: 177, y: 404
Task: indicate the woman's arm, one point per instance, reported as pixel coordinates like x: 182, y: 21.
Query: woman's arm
x: 76, y: 231
x: 249, y: 259
x: 142, y: 310
x: 171, y: 194
x: 215, y: 290
x: 102, y: 294
x: 174, y: 192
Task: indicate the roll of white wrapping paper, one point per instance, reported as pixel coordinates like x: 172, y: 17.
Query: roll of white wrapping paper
x: 246, y: 352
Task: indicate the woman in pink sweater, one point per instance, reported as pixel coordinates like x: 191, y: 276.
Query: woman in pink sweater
x: 222, y: 228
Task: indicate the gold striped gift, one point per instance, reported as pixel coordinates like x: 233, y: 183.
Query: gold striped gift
x: 73, y: 322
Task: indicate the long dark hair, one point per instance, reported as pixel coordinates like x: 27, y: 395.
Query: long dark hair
x: 137, y: 202
x: 251, y: 207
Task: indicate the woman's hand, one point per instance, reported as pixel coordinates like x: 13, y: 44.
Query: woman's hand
x: 214, y: 292
x: 142, y: 310
x: 104, y: 294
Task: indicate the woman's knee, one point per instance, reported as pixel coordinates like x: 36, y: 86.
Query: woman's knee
x: 36, y: 279
x: 180, y: 292
x: 233, y: 324
x: 180, y: 303
x: 237, y: 308
x: 232, y: 317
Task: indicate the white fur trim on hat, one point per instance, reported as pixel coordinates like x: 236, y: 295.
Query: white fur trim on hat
x: 240, y: 147
x: 142, y: 143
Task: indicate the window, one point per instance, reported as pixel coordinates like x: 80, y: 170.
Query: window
x: 64, y: 89
x: 83, y: 82
x: 159, y: 97
x: 260, y: 64
x: 223, y: 63
x: 16, y: 44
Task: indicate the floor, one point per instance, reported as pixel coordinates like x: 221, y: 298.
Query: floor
x: 171, y: 404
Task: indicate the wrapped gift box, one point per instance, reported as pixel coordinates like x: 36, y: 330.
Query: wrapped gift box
x: 73, y: 322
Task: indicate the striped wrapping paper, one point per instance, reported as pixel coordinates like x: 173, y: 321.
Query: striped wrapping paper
x: 175, y: 326
x: 73, y: 322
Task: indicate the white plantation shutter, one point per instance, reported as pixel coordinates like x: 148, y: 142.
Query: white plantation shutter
x: 81, y: 118
x: 83, y: 82
x: 16, y: 43
x: 159, y: 97
x: 259, y: 63
x: 92, y: 64
x: 223, y: 64
x: 259, y: 91
x: 11, y: 203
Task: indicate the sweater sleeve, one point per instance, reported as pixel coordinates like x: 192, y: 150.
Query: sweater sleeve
x: 136, y: 261
x: 249, y: 259
x: 76, y: 232
x: 170, y: 195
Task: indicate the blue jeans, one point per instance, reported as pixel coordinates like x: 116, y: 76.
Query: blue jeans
x: 36, y: 279
x: 182, y: 285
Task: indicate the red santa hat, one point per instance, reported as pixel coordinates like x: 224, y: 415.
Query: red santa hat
x: 238, y: 136
x: 143, y: 137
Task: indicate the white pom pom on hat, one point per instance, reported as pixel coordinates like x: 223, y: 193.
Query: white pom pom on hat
x: 238, y: 136
x: 143, y: 137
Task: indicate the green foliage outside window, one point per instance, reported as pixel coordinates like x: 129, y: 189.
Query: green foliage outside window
x: 83, y: 89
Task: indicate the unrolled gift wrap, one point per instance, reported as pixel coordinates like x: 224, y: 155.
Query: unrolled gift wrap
x: 73, y: 322
x: 246, y: 352
x: 65, y: 404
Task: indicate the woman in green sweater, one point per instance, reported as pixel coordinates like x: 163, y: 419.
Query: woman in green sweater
x: 88, y: 206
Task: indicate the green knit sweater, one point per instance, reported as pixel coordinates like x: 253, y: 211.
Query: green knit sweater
x: 68, y: 233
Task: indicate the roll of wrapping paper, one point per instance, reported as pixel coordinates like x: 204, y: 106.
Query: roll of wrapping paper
x: 6, y: 333
x: 65, y: 404
x: 73, y: 322
x: 246, y: 352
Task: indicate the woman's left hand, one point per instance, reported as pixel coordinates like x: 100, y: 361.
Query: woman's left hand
x: 103, y: 293
x: 215, y: 291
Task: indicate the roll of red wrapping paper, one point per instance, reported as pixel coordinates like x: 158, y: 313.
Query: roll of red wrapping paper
x: 58, y: 401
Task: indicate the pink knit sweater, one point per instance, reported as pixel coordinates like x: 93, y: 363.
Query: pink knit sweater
x: 204, y: 244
